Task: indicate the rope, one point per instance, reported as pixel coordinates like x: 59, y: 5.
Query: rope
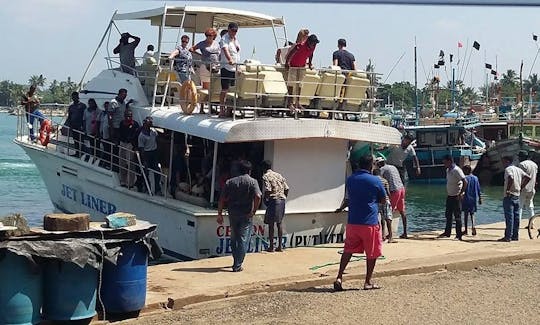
x: 100, y: 278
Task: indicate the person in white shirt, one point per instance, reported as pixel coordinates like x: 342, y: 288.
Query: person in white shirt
x: 399, y: 154
x: 149, y: 56
x: 230, y: 56
x: 526, y: 197
x: 456, y: 183
x: 514, y: 180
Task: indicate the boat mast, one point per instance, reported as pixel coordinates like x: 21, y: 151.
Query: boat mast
x: 416, y: 84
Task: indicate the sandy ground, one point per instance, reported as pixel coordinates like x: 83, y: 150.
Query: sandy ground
x: 504, y: 293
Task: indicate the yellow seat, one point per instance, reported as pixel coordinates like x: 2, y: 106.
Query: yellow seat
x: 329, y: 89
x: 309, y: 87
x: 355, y: 93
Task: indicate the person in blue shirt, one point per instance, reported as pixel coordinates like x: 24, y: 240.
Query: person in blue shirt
x: 472, y: 195
x: 364, y: 193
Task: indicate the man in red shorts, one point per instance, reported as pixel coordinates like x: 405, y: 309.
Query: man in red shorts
x: 363, y: 233
x: 397, y: 191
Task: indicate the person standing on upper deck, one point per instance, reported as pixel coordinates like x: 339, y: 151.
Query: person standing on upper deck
x: 297, y: 58
x: 399, y: 154
x: 230, y: 57
x: 210, y: 50
x: 126, y: 51
x: 243, y: 196
x: 456, y: 184
x: 526, y: 198
x: 343, y: 58
x: 183, y: 61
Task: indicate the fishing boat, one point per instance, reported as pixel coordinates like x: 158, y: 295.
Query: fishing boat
x: 435, y: 141
x: 309, y: 149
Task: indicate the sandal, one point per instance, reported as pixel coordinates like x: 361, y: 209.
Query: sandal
x: 372, y: 286
x: 338, y: 286
x: 404, y: 236
x: 270, y: 250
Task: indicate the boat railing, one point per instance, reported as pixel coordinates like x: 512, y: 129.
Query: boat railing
x: 263, y: 89
x: 94, y: 150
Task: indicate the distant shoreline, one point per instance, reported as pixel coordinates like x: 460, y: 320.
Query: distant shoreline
x: 47, y: 112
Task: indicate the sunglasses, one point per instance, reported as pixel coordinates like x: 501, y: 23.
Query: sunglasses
x: 234, y: 30
x: 185, y: 41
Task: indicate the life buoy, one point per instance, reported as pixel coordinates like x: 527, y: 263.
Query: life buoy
x: 44, y: 132
x: 188, y: 97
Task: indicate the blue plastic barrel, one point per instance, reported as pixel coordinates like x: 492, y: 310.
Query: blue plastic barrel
x: 123, y: 288
x: 20, y: 290
x: 69, y: 291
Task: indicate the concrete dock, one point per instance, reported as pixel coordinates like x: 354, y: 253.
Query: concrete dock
x: 171, y: 286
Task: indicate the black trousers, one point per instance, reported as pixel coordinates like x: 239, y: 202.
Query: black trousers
x: 453, y: 211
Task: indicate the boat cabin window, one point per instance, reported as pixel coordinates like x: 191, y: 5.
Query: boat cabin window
x: 191, y: 170
x: 431, y: 138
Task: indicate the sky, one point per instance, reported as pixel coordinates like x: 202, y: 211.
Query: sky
x: 57, y: 38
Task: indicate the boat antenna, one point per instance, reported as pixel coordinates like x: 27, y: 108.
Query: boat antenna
x: 393, y: 67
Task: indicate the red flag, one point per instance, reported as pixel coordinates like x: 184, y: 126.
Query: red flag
x: 459, y: 44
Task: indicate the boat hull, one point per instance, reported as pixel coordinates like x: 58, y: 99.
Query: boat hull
x: 185, y: 231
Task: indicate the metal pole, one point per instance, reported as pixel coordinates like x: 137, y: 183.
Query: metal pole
x: 453, y: 88
x: 416, y: 85
x: 214, y: 163
x: 171, y: 153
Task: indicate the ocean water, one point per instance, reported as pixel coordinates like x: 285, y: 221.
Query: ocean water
x: 21, y: 187
x: 22, y: 190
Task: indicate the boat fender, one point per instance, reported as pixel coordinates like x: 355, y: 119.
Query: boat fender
x: 44, y: 132
x: 188, y: 96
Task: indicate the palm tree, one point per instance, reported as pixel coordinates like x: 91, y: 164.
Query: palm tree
x: 39, y: 81
x: 509, y: 84
x: 531, y: 85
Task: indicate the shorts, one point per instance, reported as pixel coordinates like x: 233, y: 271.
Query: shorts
x: 397, y: 200
x: 275, y: 211
x: 363, y: 239
x: 295, y: 75
x: 468, y: 206
x: 204, y: 74
x: 183, y: 76
x: 227, y: 78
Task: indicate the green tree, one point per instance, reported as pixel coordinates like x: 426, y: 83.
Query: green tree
x: 39, y: 81
x: 509, y: 84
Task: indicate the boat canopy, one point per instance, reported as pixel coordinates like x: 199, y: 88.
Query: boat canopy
x: 264, y: 128
x: 197, y: 19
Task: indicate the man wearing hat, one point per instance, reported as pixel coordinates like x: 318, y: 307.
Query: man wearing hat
x: 126, y: 51
x: 296, y: 61
x: 526, y: 197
